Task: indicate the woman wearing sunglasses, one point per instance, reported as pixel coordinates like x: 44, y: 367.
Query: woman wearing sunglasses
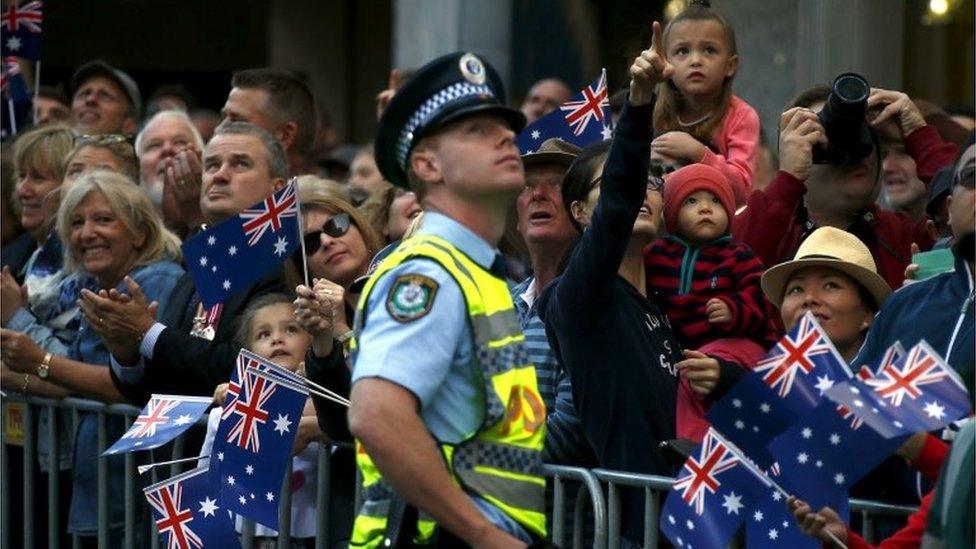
x: 339, y: 245
x: 615, y: 342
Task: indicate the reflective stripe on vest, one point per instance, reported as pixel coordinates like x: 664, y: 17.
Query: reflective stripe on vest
x: 501, y: 461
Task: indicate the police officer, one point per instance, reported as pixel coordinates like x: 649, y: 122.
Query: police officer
x: 445, y: 405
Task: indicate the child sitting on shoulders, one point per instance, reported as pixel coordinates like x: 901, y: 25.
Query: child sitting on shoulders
x: 709, y: 287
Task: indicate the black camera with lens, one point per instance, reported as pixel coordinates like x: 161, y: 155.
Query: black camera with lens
x: 844, y: 118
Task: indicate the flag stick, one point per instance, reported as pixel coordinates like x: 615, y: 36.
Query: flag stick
x: 13, y: 117
x: 143, y: 468
x: 37, y: 88
x: 301, y: 233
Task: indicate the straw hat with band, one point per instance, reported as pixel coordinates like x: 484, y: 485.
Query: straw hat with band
x: 835, y: 249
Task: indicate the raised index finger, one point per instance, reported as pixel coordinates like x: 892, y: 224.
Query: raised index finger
x: 656, y: 41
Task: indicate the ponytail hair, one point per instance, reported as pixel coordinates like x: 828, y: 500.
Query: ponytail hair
x: 669, y: 98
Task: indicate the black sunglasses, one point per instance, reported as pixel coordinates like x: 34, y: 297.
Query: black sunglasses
x: 335, y: 227
x: 965, y: 177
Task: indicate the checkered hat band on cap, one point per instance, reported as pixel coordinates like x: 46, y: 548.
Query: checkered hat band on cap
x: 430, y: 107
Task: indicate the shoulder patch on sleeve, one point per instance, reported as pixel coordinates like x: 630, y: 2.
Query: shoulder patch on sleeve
x: 411, y: 297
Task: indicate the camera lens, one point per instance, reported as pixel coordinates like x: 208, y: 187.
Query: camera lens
x: 851, y: 88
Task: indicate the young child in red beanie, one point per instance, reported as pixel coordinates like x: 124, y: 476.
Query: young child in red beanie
x: 708, y: 285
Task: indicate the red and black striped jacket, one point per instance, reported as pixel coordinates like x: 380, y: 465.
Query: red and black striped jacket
x: 684, y: 278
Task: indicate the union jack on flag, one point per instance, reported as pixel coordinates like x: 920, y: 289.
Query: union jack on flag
x: 702, y: 473
x: 579, y: 114
x: 248, y: 360
x: 156, y: 410
x: 269, y: 214
x: 251, y: 409
x: 802, y: 365
x: 189, y: 499
x: 167, y: 501
x: 906, y: 377
x: 30, y: 15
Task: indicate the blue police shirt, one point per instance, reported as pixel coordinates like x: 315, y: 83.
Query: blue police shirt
x: 431, y: 356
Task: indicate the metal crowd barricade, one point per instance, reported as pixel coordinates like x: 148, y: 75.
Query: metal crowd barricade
x: 559, y: 474
x: 134, y: 499
x: 606, y: 509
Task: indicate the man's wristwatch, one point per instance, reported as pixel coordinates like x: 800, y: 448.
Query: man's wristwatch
x: 45, y: 366
x: 343, y: 339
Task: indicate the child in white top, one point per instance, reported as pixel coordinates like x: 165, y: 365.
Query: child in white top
x: 269, y: 329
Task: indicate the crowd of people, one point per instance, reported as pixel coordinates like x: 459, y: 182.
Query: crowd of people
x: 635, y: 282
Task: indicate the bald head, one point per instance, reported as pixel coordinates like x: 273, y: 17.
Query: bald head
x: 544, y: 97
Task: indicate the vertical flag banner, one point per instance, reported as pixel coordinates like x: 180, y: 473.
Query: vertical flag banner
x: 228, y: 257
x: 252, y: 445
x: 582, y: 121
x: 164, y: 418
x: 20, y: 30
x: 17, y: 104
x: 187, y: 514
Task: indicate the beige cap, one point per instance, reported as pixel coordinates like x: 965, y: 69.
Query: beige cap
x: 833, y: 248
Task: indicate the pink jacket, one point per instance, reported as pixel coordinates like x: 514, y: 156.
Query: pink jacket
x: 736, y: 140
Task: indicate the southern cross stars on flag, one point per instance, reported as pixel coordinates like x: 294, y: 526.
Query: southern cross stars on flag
x: 582, y: 121
x: 20, y: 27
x: 164, y: 418
x: 252, y: 446
x: 187, y: 514
x: 228, y: 257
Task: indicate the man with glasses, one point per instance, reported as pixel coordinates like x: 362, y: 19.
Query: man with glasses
x: 104, y: 100
x: 190, y: 349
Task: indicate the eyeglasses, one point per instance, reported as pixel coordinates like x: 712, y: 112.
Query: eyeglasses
x: 966, y: 177
x: 335, y: 227
x: 102, y: 139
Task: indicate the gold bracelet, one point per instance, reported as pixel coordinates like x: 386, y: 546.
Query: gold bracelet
x: 26, y: 384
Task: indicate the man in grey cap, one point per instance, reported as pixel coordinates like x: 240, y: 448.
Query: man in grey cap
x: 104, y: 100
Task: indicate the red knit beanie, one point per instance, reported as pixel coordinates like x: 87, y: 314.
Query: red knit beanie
x: 685, y: 181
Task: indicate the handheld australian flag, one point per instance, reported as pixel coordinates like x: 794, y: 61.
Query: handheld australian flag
x: 247, y: 359
x: 187, y: 514
x: 164, y: 418
x: 253, y: 445
x: 17, y: 102
x: 750, y: 415
x: 20, y: 27
x: 227, y: 258
x: 918, y: 392
x: 582, y: 121
x: 707, y: 503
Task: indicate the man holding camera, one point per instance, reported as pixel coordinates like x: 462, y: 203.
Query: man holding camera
x: 839, y: 190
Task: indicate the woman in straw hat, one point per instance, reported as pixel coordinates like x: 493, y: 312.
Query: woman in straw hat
x: 833, y: 276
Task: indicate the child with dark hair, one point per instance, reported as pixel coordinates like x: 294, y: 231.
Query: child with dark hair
x: 708, y: 285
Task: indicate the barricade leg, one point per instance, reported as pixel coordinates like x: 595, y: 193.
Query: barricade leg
x: 4, y: 480
x: 322, y: 497
x: 30, y: 464
x: 54, y: 470
x: 284, y: 509
x: 558, y: 505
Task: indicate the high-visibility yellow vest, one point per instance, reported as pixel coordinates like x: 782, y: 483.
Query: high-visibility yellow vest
x: 501, y: 461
